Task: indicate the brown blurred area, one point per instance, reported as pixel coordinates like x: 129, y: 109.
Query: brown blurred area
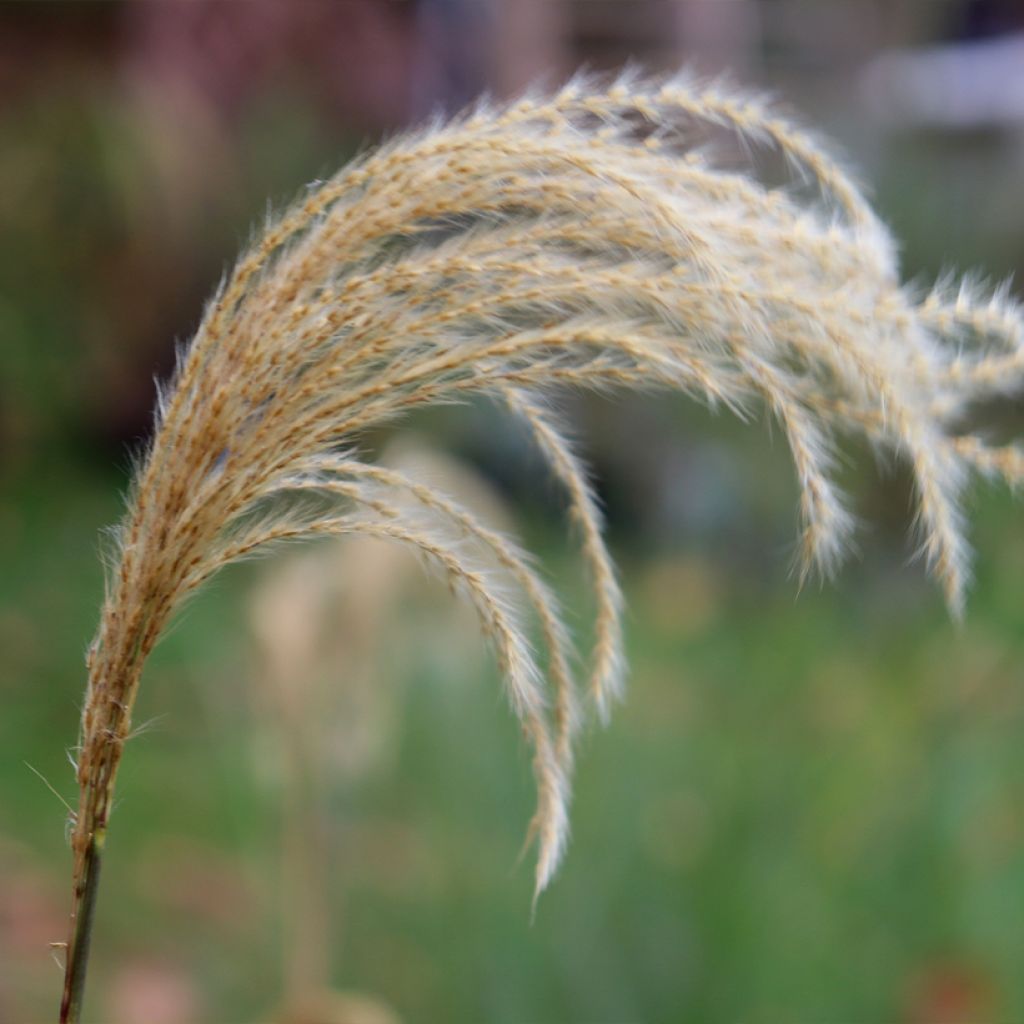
x: 141, y: 138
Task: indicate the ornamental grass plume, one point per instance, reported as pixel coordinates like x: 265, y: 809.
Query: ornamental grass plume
x: 586, y: 240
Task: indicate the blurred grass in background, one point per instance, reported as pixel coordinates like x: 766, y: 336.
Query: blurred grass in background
x: 809, y: 806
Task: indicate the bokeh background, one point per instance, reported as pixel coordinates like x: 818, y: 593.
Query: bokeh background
x: 810, y: 806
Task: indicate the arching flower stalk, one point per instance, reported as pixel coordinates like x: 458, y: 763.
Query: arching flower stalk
x: 580, y: 240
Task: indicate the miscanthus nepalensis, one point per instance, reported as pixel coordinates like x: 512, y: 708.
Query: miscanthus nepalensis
x: 585, y: 240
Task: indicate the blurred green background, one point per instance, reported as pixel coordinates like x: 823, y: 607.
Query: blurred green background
x: 808, y: 808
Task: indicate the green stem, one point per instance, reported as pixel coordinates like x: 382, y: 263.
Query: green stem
x: 78, y: 950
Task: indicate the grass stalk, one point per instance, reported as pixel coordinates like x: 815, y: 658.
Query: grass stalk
x: 82, y: 917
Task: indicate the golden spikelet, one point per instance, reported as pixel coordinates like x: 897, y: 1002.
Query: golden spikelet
x: 577, y: 240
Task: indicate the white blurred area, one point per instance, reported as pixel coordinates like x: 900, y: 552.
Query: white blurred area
x: 976, y: 84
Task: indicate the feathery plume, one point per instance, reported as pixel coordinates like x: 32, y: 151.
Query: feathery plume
x: 578, y: 240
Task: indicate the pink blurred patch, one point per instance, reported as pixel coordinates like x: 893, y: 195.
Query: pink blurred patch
x: 951, y: 993
x: 32, y: 916
x: 152, y: 991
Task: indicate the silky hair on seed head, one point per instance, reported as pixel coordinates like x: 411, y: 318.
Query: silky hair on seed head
x: 587, y: 239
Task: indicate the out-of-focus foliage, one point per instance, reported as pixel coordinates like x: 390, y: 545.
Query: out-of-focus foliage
x: 788, y: 781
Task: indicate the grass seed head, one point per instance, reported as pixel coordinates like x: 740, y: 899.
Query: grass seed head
x: 578, y: 240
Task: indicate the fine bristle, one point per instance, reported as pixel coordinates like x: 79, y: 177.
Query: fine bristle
x: 583, y: 240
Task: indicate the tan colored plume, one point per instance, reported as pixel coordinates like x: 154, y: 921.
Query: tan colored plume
x: 586, y: 239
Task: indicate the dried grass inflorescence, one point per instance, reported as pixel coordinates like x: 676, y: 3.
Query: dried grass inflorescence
x: 587, y: 239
